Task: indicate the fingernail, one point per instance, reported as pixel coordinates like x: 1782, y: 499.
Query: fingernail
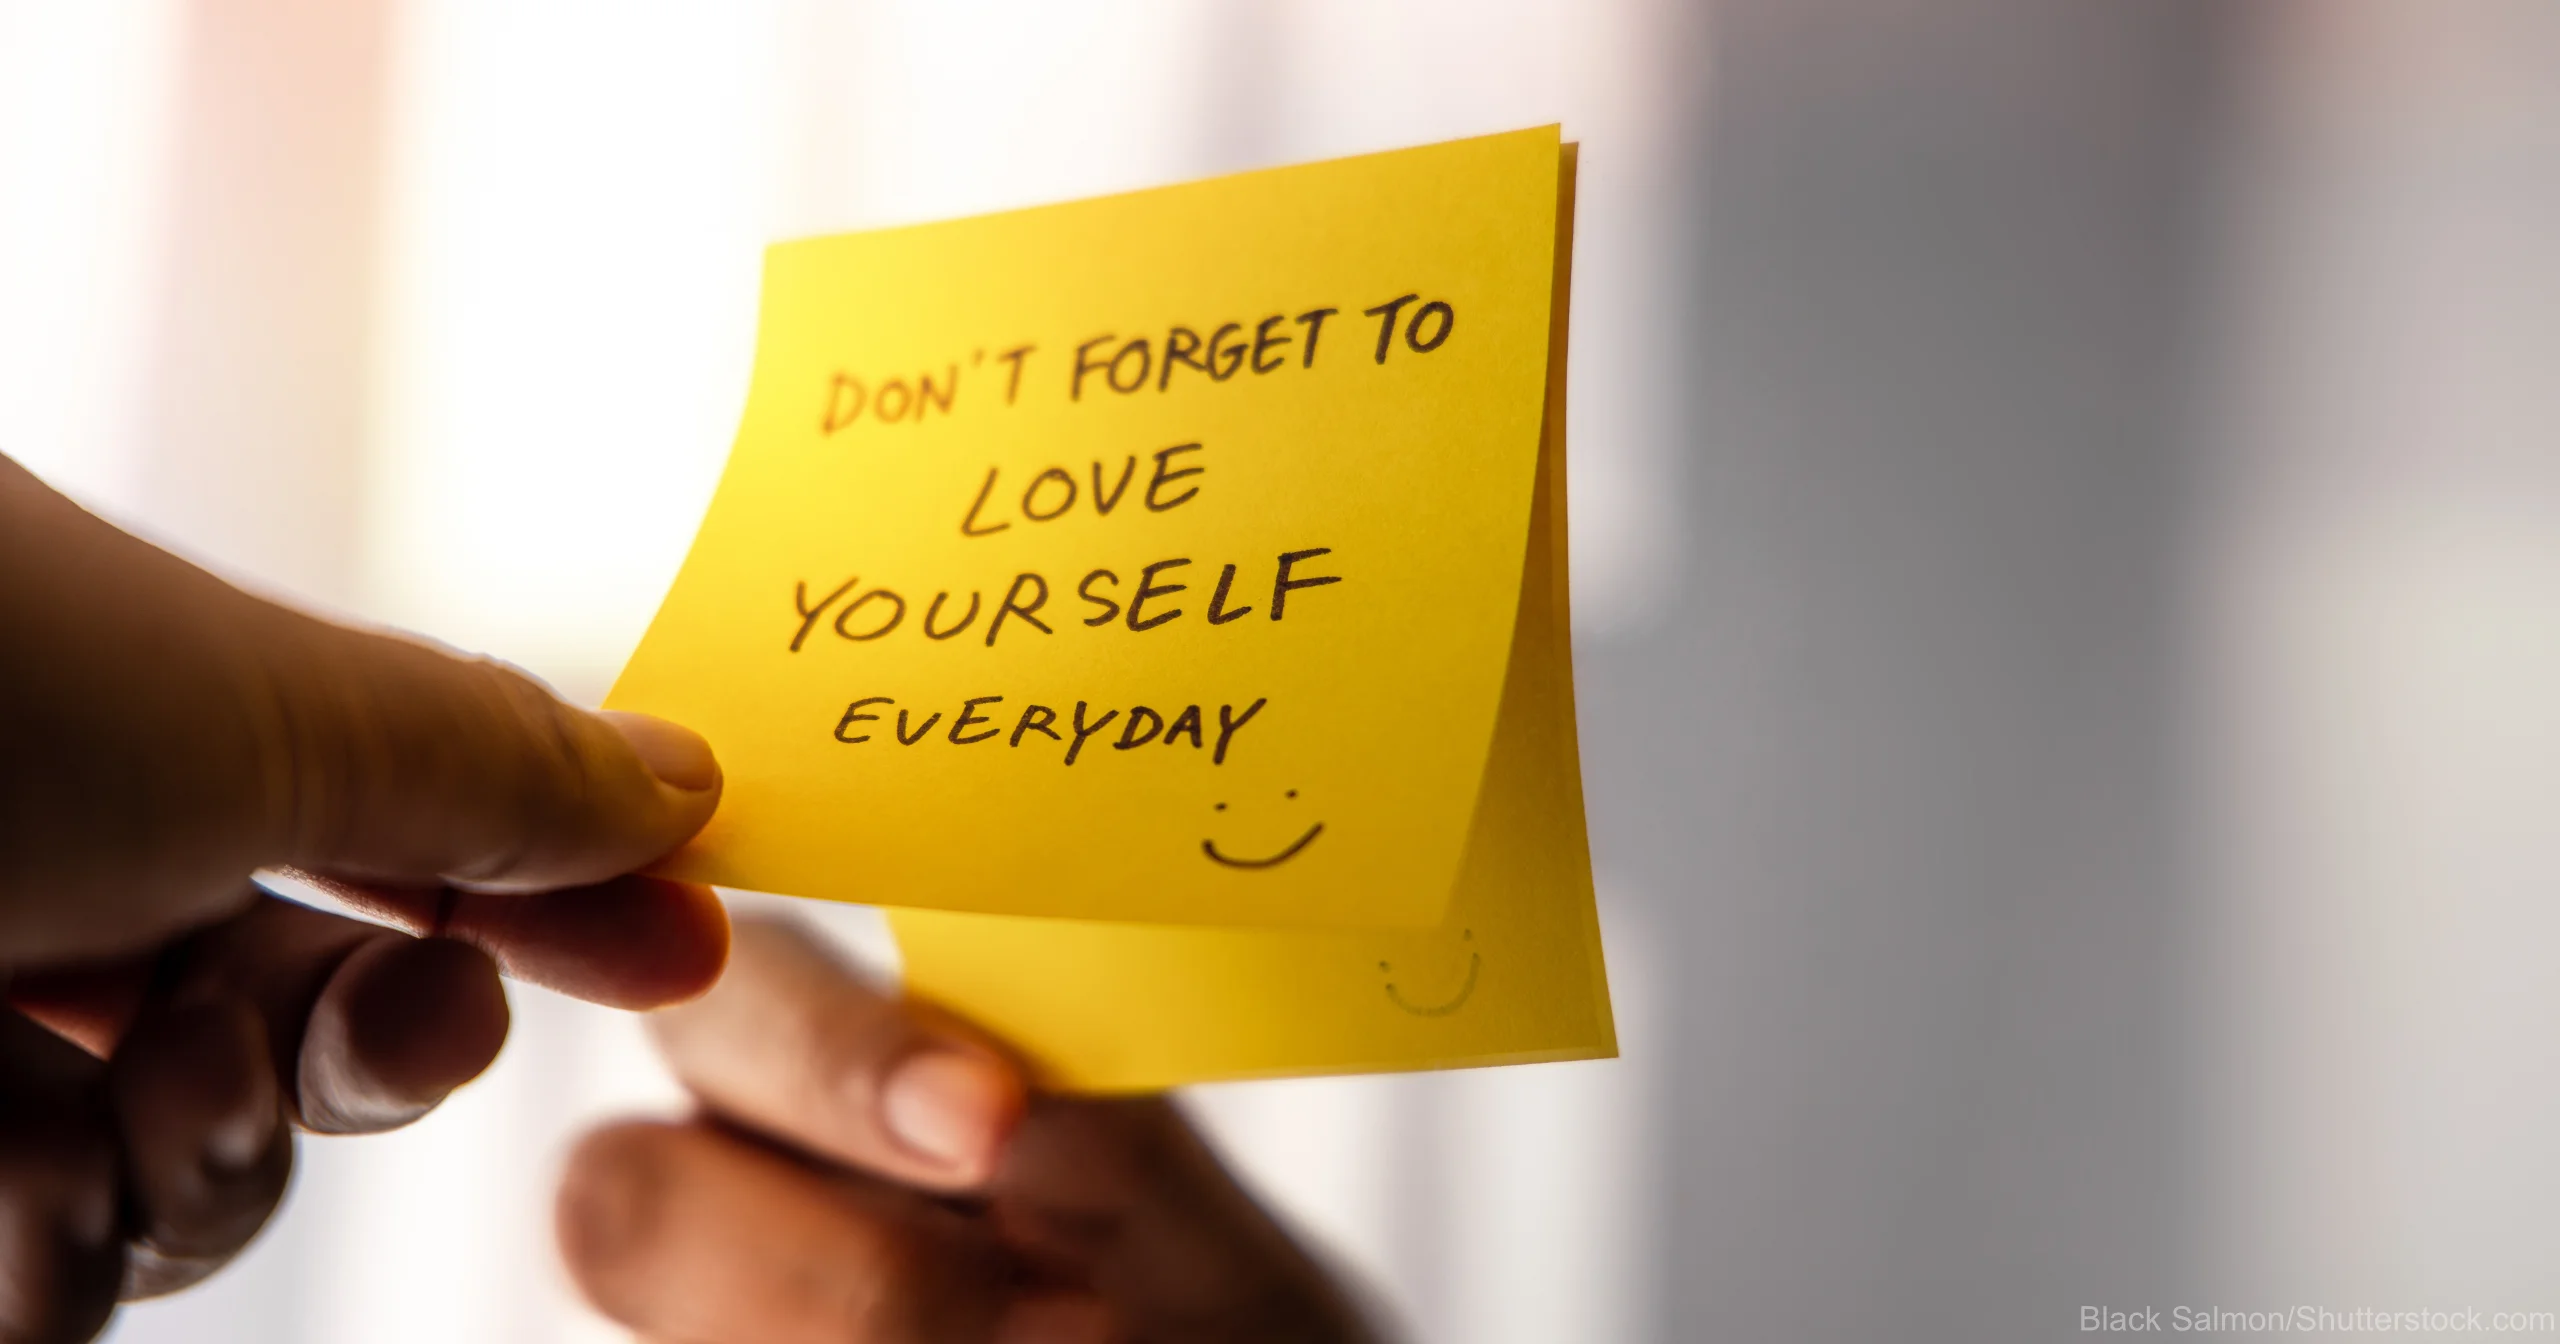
x: 236, y: 1142
x: 676, y: 755
x: 944, y: 1106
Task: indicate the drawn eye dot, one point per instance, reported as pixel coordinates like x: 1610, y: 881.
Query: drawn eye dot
x: 1222, y: 807
x: 1293, y: 793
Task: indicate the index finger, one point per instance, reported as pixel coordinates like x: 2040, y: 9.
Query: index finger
x: 631, y: 942
x: 143, y: 699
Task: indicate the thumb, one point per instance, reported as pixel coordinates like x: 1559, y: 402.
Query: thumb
x: 162, y: 733
x: 798, y: 1044
x: 404, y: 763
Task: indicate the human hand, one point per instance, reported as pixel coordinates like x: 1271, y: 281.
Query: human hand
x: 870, y: 1169
x: 162, y: 735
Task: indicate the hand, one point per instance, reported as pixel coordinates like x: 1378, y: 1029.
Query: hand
x: 163, y: 734
x: 870, y: 1170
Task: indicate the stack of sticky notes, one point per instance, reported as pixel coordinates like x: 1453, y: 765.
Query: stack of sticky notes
x: 1159, y: 601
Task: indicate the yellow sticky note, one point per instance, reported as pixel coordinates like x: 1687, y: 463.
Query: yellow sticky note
x: 1513, y: 976
x: 1146, y: 558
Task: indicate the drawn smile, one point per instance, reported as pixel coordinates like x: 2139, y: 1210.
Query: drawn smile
x: 1210, y: 848
x: 1475, y: 963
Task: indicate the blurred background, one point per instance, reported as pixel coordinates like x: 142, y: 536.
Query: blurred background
x: 2066, y: 507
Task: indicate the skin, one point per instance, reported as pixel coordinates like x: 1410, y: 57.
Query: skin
x: 169, y: 1026
x: 866, y: 1169
x: 863, y: 1169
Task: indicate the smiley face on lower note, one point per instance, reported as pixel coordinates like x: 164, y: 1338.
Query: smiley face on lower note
x: 1424, y: 994
x: 1271, y: 852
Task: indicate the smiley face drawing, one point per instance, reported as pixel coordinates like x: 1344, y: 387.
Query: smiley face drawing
x: 1475, y: 966
x: 1274, y: 860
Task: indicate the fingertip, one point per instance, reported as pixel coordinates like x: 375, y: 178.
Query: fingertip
x: 686, y: 930
x: 951, y: 1108
x: 682, y: 774
x: 630, y: 942
x: 677, y: 756
x: 412, y: 765
x: 798, y: 1042
x: 401, y: 1024
x: 430, y: 1016
x: 634, y: 943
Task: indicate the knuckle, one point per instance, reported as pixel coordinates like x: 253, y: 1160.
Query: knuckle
x: 929, y: 1276
x: 857, y: 1269
x: 181, y: 1078
x: 57, y: 1206
x: 610, y: 1194
x: 880, y: 1296
x: 613, y: 1194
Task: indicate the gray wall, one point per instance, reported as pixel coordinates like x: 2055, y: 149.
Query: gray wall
x: 1895, y: 772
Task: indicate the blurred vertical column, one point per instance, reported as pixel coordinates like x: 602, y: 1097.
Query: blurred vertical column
x: 913, y: 111
x: 2381, y: 599
x: 1896, y: 769
x: 238, y: 439
x: 578, y: 194
x: 252, y: 409
x: 85, y: 125
x: 1510, y: 1204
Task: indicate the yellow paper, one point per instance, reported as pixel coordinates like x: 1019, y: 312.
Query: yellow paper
x: 1514, y: 975
x: 1343, y: 364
